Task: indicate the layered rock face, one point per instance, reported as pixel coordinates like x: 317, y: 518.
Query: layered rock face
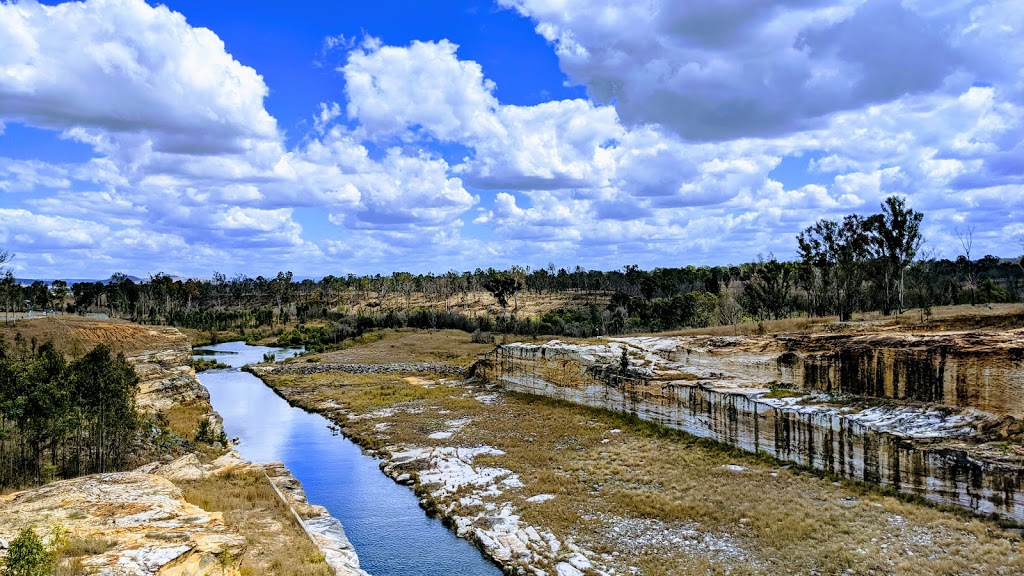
x: 166, y: 377
x: 924, y: 415
x: 142, y: 519
x: 977, y: 370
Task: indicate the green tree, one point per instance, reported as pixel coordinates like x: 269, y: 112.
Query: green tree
x: 896, y: 238
x: 768, y: 294
x: 58, y: 292
x: 27, y: 556
x: 816, y: 248
x: 835, y: 256
x: 11, y: 294
x: 502, y: 285
x: 105, y: 389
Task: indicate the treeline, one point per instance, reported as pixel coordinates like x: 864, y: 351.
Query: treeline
x: 623, y: 315
x: 857, y: 264
x: 60, y: 419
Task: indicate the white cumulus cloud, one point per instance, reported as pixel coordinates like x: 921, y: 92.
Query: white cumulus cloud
x: 720, y: 70
x: 123, y: 66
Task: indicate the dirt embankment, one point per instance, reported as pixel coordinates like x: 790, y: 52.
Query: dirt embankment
x: 76, y: 335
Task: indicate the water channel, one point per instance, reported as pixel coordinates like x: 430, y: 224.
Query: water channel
x: 383, y: 520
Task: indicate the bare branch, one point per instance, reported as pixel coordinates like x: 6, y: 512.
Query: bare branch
x: 966, y: 237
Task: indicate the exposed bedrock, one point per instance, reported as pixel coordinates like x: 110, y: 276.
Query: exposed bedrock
x: 967, y: 369
x: 140, y: 524
x: 166, y: 377
x: 868, y: 408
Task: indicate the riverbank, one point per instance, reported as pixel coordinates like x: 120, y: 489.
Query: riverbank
x: 234, y: 484
x: 265, y: 503
x: 546, y: 485
x: 383, y: 520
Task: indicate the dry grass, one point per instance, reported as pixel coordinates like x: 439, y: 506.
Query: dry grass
x: 76, y: 335
x: 478, y: 302
x: 786, y: 325
x: 276, y: 544
x: 389, y: 346
x: 960, y: 317
x: 183, y: 419
x: 771, y: 519
x: 360, y: 393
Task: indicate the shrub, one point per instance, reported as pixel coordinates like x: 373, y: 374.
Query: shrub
x: 479, y: 337
x: 27, y: 556
x: 208, y: 433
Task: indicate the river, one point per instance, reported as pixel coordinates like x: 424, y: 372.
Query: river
x: 383, y: 520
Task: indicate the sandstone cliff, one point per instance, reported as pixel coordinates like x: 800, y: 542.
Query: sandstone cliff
x: 926, y: 415
x: 161, y: 355
x: 166, y: 377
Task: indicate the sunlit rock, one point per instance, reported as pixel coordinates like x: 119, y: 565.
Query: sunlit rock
x: 142, y: 519
x: 922, y: 414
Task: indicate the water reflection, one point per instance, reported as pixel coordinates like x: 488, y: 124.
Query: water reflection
x: 238, y: 354
x: 382, y: 519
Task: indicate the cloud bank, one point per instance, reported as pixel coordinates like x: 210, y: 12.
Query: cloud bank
x: 716, y: 135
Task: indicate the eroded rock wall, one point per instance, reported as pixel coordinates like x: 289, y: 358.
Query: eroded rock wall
x: 962, y: 369
x: 166, y: 377
x: 983, y: 371
x: 720, y: 392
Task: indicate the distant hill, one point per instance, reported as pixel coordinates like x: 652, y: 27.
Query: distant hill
x: 70, y: 281
x: 136, y: 279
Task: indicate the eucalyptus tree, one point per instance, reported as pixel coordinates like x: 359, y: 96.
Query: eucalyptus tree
x: 58, y: 294
x: 769, y: 292
x: 817, y: 247
x: 966, y: 238
x: 838, y: 255
x: 896, y: 239
x: 502, y: 285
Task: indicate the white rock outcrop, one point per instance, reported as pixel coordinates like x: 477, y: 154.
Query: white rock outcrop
x: 943, y: 445
x: 148, y: 525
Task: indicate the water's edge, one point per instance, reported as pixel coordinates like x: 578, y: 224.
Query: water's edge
x: 390, y: 472
x: 325, y: 531
x: 430, y: 554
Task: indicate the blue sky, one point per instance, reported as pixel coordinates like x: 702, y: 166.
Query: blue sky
x: 335, y: 137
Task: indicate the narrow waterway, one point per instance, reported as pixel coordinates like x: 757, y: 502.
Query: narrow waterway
x: 383, y: 520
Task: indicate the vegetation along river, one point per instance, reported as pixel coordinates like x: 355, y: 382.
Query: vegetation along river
x: 383, y: 520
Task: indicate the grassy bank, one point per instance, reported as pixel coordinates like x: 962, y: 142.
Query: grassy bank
x: 276, y: 544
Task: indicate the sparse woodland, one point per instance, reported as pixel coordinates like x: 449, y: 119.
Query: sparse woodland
x: 858, y: 264
x: 60, y: 419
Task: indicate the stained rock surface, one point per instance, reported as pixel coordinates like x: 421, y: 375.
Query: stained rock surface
x: 143, y: 519
x: 923, y: 414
